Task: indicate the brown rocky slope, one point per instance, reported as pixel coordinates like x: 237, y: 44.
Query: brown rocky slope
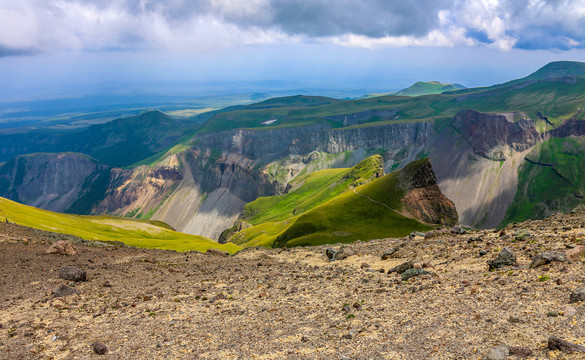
x: 294, y: 303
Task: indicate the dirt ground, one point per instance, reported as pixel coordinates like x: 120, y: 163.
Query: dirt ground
x: 293, y: 303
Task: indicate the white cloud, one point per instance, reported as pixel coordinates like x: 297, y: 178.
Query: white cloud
x: 202, y: 25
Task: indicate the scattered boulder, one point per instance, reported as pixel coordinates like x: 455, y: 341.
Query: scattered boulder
x: 344, y: 253
x: 219, y: 296
x: 402, y: 267
x: 576, y: 253
x: 458, y: 230
x: 502, y: 232
x: 434, y: 233
x: 417, y: 233
x: 61, y: 247
x: 410, y: 273
x: 99, y: 348
x: 388, y: 254
x: 340, y: 254
x: 522, y: 234
x: 520, y: 352
x: 577, y: 295
x: 500, y: 352
x: 150, y: 259
x: 217, y: 252
x: 569, y: 311
x: 72, y: 273
x: 547, y: 258
x: 331, y: 254
x: 506, y: 257
x: 63, y: 291
x: 555, y: 343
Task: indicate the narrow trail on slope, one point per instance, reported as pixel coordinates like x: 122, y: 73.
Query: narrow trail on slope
x: 372, y: 200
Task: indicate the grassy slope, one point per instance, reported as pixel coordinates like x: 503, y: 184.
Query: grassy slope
x: 310, y: 191
x: 141, y: 233
x: 427, y: 88
x: 546, y: 189
x: 344, y: 218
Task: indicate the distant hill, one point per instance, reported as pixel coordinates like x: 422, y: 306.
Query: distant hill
x: 423, y: 88
x: 558, y: 69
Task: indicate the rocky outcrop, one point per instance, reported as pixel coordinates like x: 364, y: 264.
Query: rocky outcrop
x: 58, y: 182
x: 493, y: 136
x: 423, y: 198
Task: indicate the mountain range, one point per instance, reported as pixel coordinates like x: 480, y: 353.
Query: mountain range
x: 294, y: 170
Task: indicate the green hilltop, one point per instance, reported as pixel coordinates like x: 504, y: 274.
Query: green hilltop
x: 333, y: 206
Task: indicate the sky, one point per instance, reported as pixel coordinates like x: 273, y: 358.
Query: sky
x: 52, y: 48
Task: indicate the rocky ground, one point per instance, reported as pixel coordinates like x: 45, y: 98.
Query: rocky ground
x: 295, y: 303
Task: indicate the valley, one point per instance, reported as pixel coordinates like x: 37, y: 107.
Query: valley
x: 492, y: 151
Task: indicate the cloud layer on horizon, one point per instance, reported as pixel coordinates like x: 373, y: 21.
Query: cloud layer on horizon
x: 32, y: 26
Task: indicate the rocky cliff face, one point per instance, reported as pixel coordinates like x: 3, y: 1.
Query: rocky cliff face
x: 423, y: 197
x: 493, y: 136
x: 59, y: 182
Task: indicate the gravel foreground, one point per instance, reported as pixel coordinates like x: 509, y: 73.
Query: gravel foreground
x: 295, y: 303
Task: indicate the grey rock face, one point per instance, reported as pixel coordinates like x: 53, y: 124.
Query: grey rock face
x: 500, y: 352
x: 493, y: 136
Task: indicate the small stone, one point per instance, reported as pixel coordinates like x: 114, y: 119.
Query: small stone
x: 515, y: 320
x: 547, y: 258
x: 505, y: 257
x: 502, y: 232
x: 417, y: 233
x: 458, y: 230
x: 106, y: 284
x: 331, y: 254
x: 576, y: 253
x: 99, y: 348
x: 402, y: 267
x: 434, y: 233
x: 63, y: 290
x: 569, y: 311
x: 217, y: 252
x: 220, y: 296
x: 522, y: 234
x: 61, y: 248
x: 305, y: 339
x: 410, y: 273
x: 500, y: 352
x: 555, y: 343
x: 577, y: 295
x: 482, y: 253
x: 72, y: 273
x: 388, y: 254
x: 365, y: 265
x: 147, y: 298
x: 552, y: 314
x: 520, y: 352
x: 346, y: 336
x: 417, y: 265
x: 150, y: 259
x: 344, y: 253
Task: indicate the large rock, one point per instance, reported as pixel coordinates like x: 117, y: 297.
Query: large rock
x: 547, y: 257
x: 61, y: 248
x: 72, y: 273
x: 399, y: 269
x: 410, y: 273
x: 555, y: 343
x: 506, y: 257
